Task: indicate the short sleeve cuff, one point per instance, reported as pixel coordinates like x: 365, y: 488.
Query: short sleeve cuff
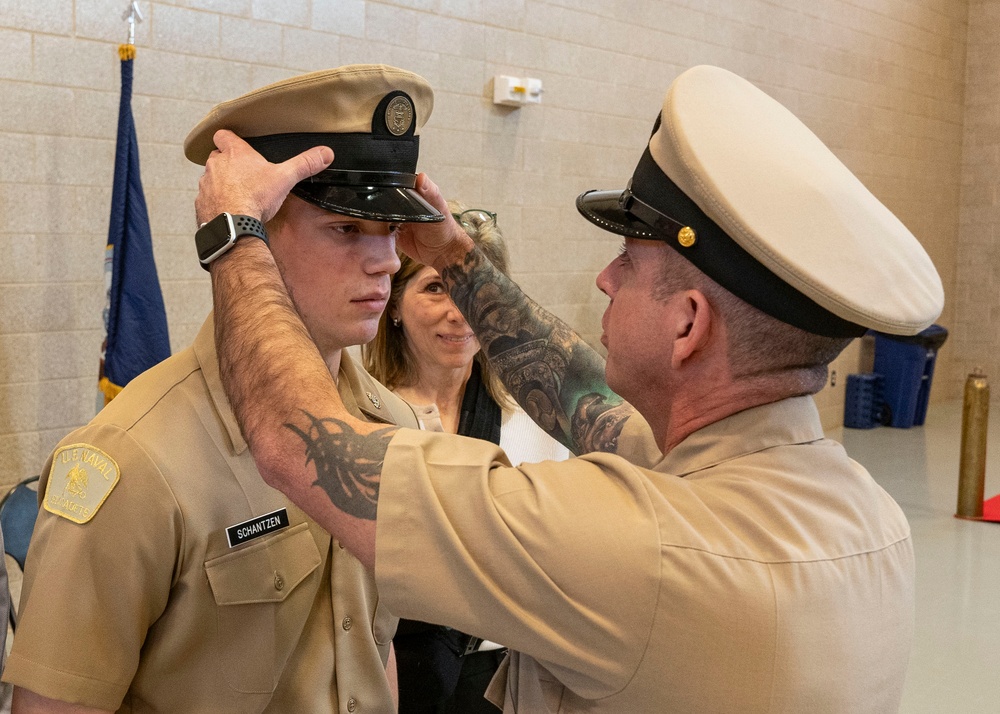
x: 63, y: 686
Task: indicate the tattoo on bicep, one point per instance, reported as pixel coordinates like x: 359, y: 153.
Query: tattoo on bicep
x: 348, y: 464
x: 598, y: 423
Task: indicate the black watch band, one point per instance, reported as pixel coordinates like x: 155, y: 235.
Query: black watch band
x: 220, y: 234
x: 249, y: 226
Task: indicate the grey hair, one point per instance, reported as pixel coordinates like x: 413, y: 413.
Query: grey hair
x: 758, y: 345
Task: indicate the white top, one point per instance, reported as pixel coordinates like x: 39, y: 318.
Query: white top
x: 521, y: 439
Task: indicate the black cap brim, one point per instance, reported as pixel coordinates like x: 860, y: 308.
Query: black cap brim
x: 393, y: 204
x: 603, y: 209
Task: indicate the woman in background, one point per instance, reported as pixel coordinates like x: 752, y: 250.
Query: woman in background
x: 427, y: 354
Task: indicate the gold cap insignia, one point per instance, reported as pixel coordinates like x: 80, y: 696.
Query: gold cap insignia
x: 80, y: 480
x: 399, y: 115
x: 374, y: 400
x: 686, y: 236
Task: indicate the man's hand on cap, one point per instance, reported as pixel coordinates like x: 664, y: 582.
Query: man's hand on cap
x: 237, y: 179
x: 435, y: 244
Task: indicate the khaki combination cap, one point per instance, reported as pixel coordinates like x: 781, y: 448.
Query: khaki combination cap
x: 368, y: 114
x: 744, y: 190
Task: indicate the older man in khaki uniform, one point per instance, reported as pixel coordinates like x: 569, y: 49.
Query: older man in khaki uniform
x: 164, y: 574
x: 710, y: 551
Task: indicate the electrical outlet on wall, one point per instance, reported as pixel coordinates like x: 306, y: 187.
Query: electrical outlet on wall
x: 833, y: 378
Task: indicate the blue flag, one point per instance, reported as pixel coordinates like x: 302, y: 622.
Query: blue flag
x: 135, y: 321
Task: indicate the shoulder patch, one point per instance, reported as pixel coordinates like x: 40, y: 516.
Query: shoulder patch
x: 80, y: 480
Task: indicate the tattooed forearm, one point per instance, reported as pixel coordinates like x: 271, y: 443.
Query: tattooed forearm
x: 348, y: 465
x: 553, y: 374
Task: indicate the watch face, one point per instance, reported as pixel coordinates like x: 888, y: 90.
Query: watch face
x: 215, y: 237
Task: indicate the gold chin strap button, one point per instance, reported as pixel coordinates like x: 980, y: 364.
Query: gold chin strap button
x: 686, y: 236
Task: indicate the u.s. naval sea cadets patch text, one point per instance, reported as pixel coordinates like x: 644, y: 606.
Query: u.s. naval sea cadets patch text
x: 80, y: 480
x: 257, y: 527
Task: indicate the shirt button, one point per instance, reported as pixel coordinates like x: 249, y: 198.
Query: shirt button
x: 348, y: 622
x: 351, y: 704
x: 279, y: 582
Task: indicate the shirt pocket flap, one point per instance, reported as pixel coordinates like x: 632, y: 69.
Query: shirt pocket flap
x: 264, y: 572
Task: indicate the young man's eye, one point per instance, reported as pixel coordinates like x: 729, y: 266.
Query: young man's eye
x: 345, y: 228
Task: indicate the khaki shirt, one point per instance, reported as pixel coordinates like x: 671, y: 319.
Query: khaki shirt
x: 146, y: 607
x: 755, y: 568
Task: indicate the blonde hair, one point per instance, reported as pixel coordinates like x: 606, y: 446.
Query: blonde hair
x: 387, y: 357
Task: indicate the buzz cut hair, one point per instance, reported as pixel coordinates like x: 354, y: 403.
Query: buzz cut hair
x: 758, y: 344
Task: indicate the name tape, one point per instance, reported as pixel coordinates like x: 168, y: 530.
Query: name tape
x: 257, y: 527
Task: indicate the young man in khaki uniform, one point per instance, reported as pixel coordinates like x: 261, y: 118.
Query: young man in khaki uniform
x: 710, y: 551
x: 164, y: 575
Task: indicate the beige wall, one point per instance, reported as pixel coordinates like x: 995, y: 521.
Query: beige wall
x: 977, y: 273
x: 881, y: 81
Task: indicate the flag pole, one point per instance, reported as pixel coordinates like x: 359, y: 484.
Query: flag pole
x: 135, y: 321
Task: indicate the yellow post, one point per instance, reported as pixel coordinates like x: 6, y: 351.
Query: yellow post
x: 972, y: 467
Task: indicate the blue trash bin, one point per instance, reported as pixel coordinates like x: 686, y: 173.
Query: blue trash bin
x: 906, y: 364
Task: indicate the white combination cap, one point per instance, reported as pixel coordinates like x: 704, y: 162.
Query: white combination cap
x: 744, y: 190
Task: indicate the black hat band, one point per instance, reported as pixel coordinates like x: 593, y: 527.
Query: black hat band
x: 353, y: 152
x: 382, y: 179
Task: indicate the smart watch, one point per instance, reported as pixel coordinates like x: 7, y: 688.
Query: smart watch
x: 221, y: 233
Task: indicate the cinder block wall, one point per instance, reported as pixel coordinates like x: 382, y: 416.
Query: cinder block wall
x: 976, y: 297
x: 881, y: 82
